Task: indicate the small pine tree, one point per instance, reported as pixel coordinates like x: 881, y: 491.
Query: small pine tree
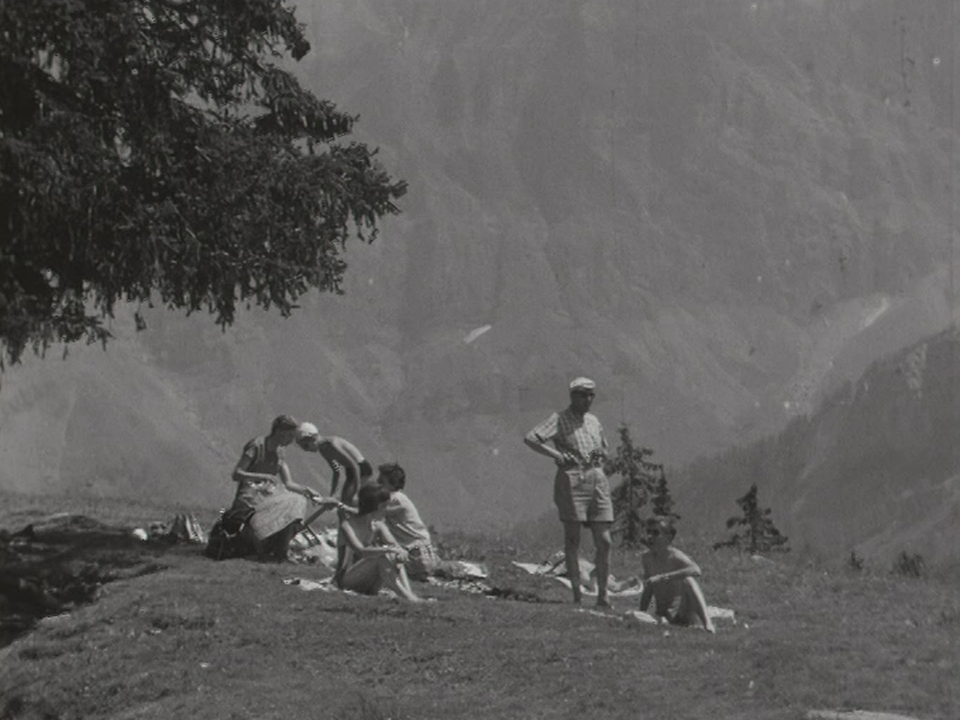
x: 638, y: 485
x: 754, y: 531
x: 855, y: 561
x: 909, y: 564
x: 663, y: 500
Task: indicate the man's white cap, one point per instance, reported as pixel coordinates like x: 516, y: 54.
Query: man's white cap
x: 583, y: 383
x: 307, y: 430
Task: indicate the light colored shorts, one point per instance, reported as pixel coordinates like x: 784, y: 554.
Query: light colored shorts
x: 583, y: 495
x: 423, y: 561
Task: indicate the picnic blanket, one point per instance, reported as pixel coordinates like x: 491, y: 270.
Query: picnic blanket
x: 324, y: 585
x: 458, y: 575
x: 715, y: 613
x: 556, y: 569
x: 320, y: 547
x: 329, y: 586
x: 462, y: 575
x: 315, y: 547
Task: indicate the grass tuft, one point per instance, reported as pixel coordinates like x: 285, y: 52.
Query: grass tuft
x: 909, y: 565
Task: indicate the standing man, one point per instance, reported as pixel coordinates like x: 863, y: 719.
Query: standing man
x: 581, y: 490
x: 340, y: 455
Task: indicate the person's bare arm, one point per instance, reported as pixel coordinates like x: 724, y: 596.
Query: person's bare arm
x: 689, y: 569
x: 335, y: 478
x: 388, y: 539
x: 539, y: 445
x: 645, y: 596
x: 386, y: 536
x: 358, y: 547
x: 287, y: 479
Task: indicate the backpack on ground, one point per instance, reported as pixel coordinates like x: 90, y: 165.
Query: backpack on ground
x: 226, y: 538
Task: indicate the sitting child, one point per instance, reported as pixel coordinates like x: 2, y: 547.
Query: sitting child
x: 669, y: 578
x: 403, y: 520
x: 372, y: 559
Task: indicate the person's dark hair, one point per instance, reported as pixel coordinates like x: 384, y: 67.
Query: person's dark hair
x: 659, y: 525
x: 370, y: 497
x: 283, y: 422
x: 365, y: 469
x: 394, y: 475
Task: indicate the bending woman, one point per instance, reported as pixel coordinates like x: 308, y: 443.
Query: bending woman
x: 372, y: 557
x: 267, y: 499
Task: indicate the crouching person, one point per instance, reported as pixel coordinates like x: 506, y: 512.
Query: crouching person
x: 669, y: 578
x: 268, y: 507
x: 403, y: 521
x: 372, y: 559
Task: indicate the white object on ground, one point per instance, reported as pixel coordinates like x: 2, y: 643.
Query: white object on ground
x: 719, y: 613
x: 475, y: 586
x: 184, y: 527
x: 325, y: 585
x: 641, y: 616
x: 715, y: 613
x: 629, y: 588
x: 470, y: 570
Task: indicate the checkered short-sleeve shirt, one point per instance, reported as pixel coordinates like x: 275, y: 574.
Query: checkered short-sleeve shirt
x: 572, y: 433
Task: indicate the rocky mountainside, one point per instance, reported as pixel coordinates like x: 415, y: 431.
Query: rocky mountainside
x: 875, y: 470
x: 719, y: 210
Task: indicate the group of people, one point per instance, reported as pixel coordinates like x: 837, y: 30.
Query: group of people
x: 382, y: 540
x: 574, y: 439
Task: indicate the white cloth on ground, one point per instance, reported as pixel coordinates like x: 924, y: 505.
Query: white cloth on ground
x: 557, y: 571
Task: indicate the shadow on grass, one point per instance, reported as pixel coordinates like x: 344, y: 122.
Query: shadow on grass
x: 54, y: 566
x: 16, y: 708
x: 510, y: 593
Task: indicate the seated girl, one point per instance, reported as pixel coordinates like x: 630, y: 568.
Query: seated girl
x: 268, y: 504
x: 403, y: 521
x: 372, y: 557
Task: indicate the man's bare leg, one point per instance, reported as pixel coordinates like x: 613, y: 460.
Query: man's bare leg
x: 571, y: 553
x: 602, y: 542
x: 284, y: 538
x: 693, y: 599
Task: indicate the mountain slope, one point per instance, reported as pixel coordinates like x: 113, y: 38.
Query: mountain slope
x: 707, y: 206
x: 876, y: 469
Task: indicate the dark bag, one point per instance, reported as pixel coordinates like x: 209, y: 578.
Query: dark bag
x: 226, y: 536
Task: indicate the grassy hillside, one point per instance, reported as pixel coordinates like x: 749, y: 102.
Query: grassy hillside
x: 196, y: 638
